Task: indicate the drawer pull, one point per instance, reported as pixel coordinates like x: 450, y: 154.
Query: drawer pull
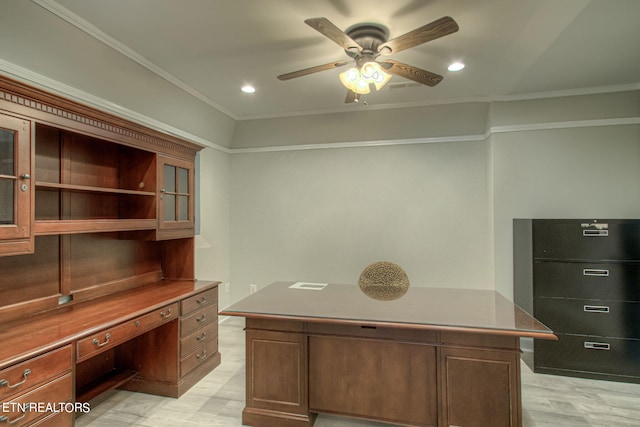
x: 99, y: 344
x: 201, y: 300
x: 595, y: 272
x: 5, y: 419
x: 201, y: 318
x: 596, y: 308
x: 595, y: 233
x: 24, y: 380
x: 597, y: 345
x: 201, y: 337
x: 202, y: 355
x: 165, y: 316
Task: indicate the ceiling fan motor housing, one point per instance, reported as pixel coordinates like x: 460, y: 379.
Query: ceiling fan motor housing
x: 369, y: 37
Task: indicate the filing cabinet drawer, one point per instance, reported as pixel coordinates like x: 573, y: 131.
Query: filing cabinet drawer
x: 614, y: 356
x: 190, y: 362
x: 587, y: 239
x: 198, y: 319
x: 27, y: 374
x: 58, y: 390
x: 118, y: 334
x: 605, y: 281
x: 198, y: 339
x: 191, y: 304
x: 590, y: 317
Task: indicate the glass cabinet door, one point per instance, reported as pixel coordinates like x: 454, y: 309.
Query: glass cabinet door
x: 15, y: 183
x: 176, y: 194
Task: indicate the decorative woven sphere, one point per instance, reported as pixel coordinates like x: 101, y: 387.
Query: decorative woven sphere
x: 384, y: 280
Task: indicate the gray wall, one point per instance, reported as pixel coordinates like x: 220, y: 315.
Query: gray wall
x: 441, y: 210
x: 324, y: 215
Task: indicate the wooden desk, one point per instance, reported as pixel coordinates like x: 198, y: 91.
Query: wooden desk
x: 159, y: 339
x: 445, y: 357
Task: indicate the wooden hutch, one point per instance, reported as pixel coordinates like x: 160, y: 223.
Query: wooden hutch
x: 97, y: 275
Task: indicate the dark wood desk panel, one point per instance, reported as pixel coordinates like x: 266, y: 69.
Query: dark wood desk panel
x: 422, y: 360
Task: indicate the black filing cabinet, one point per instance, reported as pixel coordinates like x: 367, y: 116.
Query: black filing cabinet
x: 581, y: 278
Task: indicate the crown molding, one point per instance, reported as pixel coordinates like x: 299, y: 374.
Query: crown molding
x: 39, y: 81
x: 448, y: 139
x: 101, y: 36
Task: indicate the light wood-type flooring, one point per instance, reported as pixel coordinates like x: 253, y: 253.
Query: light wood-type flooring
x: 218, y: 399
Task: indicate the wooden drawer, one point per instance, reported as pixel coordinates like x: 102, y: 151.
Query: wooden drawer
x: 54, y: 392
x: 614, y: 356
x: 197, y: 339
x: 368, y: 331
x: 198, y: 319
x: 590, y: 317
x: 194, y: 359
x: 32, y: 372
x: 191, y: 304
x: 602, y: 281
x: 60, y: 419
x: 587, y: 239
x: 118, y: 334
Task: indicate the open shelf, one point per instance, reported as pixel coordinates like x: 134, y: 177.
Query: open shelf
x: 49, y: 227
x: 90, y: 189
x: 108, y: 381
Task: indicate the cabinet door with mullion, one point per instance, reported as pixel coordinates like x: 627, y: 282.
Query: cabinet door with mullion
x: 15, y: 186
x: 176, y: 207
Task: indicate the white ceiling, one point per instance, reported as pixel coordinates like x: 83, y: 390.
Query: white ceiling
x: 512, y: 48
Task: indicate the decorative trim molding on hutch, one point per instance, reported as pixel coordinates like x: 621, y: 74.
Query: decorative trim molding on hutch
x: 20, y: 95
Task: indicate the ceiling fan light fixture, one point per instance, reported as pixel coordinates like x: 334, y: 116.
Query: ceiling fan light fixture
x: 360, y: 80
x: 352, y: 80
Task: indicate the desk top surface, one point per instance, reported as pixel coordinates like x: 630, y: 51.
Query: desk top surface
x: 29, y: 336
x: 469, y: 310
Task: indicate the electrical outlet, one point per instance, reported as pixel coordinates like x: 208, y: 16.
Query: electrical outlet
x: 227, y: 289
x: 253, y: 289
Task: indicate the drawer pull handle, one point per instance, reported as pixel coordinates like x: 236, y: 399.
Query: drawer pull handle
x: 201, y: 337
x: 202, y: 355
x: 595, y: 233
x: 201, y: 318
x: 106, y: 341
x: 24, y: 380
x: 201, y: 300
x: 597, y: 345
x: 165, y: 316
x: 5, y: 419
x: 595, y: 272
x: 596, y: 308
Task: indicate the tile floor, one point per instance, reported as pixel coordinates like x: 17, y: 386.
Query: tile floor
x: 217, y: 400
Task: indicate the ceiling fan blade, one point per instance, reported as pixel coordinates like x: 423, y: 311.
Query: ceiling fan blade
x: 412, y: 73
x: 432, y: 31
x: 351, y: 97
x: 328, y: 28
x: 312, y: 70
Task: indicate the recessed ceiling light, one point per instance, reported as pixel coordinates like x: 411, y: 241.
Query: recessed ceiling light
x: 248, y: 89
x: 456, y: 66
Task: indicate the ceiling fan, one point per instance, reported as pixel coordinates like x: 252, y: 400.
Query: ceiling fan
x: 365, y: 43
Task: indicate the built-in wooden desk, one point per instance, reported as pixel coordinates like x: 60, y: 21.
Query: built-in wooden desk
x: 160, y: 339
x: 445, y: 357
